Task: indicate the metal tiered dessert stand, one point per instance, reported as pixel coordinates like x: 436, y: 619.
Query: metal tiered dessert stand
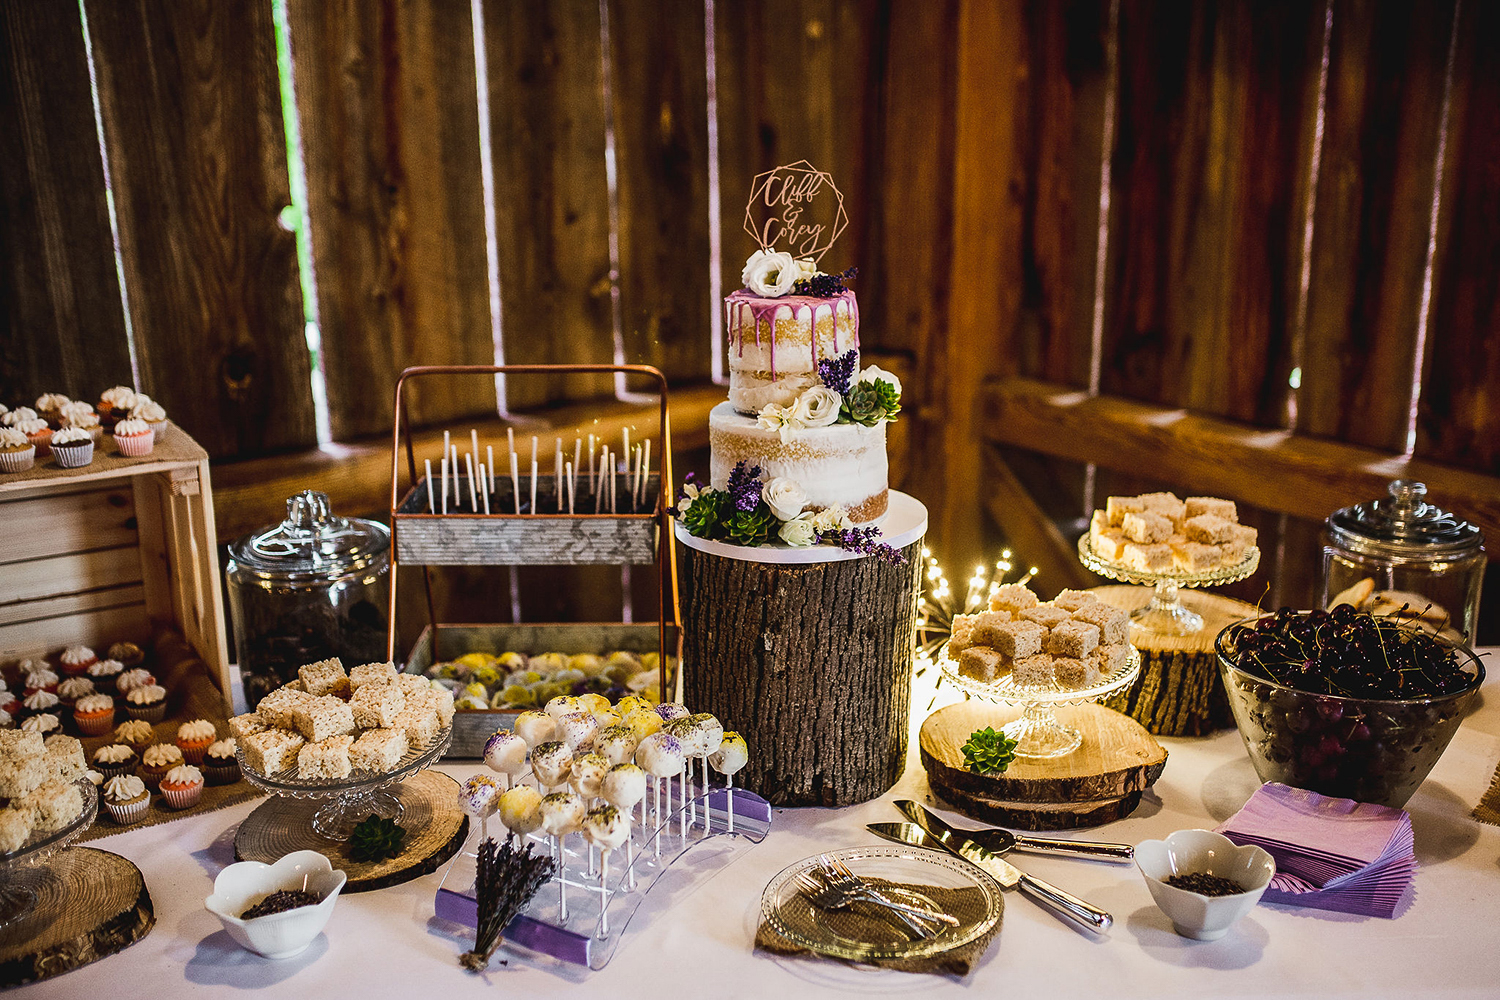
x: 1038, y: 732
x: 1166, y: 614
x: 17, y: 896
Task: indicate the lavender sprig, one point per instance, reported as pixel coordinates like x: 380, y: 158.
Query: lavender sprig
x: 864, y: 541
x: 837, y: 373
x: 744, y: 486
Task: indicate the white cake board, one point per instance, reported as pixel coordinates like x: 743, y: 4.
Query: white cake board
x: 904, y: 521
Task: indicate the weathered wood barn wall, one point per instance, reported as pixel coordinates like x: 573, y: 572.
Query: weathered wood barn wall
x: 1244, y: 248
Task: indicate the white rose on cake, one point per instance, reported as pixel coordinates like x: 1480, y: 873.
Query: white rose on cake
x: 875, y: 373
x: 798, y: 532
x: 785, y: 498
x: 770, y: 273
x: 818, y: 406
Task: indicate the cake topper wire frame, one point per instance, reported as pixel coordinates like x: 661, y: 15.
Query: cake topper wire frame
x: 804, y: 173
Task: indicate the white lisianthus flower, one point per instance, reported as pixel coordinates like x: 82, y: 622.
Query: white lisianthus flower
x: 875, y: 373
x: 798, y: 532
x: 818, y: 406
x: 835, y: 518
x: 770, y: 273
x: 774, y: 417
x: 806, y: 268
x: 785, y: 497
x: 690, y: 493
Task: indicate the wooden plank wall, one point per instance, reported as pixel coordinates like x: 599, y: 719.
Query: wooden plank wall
x: 1282, y: 214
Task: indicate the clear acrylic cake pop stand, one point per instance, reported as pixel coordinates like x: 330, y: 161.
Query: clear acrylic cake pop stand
x: 590, y: 929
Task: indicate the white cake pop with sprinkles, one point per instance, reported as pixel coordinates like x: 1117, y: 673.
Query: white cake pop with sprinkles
x: 505, y: 752
x: 535, y: 728
x: 519, y: 810
x: 551, y: 763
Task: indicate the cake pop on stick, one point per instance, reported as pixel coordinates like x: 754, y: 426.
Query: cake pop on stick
x: 518, y: 809
x: 586, y: 777
x: 693, y: 742
x: 562, y: 814
x: 733, y: 754
x: 625, y: 785
x: 671, y: 711
x: 563, y: 704
x: 551, y: 763
x: 577, y: 730
x: 478, y: 797
x: 535, y: 728
x: 617, y: 744
x: 643, y: 724
x: 659, y: 755
x: 605, y: 828
x: 710, y: 734
x: 505, y: 753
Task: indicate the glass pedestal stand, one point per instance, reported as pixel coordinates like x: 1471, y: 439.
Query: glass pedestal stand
x: 1038, y: 732
x: 1166, y: 614
x: 354, y: 798
x: 19, y: 870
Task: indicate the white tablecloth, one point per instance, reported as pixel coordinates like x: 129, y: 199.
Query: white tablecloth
x: 385, y: 944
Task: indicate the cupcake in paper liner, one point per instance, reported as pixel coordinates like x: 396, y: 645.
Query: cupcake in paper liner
x: 16, y: 453
x: 135, y: 734
x: 115, y: 759
x: 38, y: 433
x: 73, y: 447
x: 49, y: 406
x: 147, y: 703
x: 94, y: 714
x: 127, y: 654
x: 182, y: 786
x: 219, y: 765
x: 126, y: 799
x: 70, y: 689
x: 150, y: 411
x: 103, y: 674
x: 195, y: 737
x: 115, y: 404
x: 156, y: 761
x: 76, y: 660
x: 134, y: 438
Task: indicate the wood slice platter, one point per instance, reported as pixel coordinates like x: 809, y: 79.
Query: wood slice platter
x: 90, y: 904
x: 1099, y: 782
x: 435, y: 830
x: 1179, y: 691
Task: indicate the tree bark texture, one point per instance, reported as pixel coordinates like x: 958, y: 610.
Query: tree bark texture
x: 811, y: 664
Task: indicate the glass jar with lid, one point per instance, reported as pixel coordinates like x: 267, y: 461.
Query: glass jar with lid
x: 311, y: 587
x: 1406, y: 557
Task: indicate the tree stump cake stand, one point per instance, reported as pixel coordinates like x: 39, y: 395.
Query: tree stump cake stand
x: 808, y: 651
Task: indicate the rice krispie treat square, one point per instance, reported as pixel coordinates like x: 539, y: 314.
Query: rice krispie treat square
x: 440, y: 700
x: 414, y: 682
x: 371, y: 673
x: 319, y: 718
x: 1244, y: 534
x: 1210, y: 505
x: 1115, y: 508
x: 418, y: 721
x: 1196, y: 557
x: 982, y: 664
x: 1111, y: 656
x: 1018, y: 639
x: 1208, y: 528
x: 1013, y: 597
x: 378, y: 750
x: 242, y: 726
x: 15, y: 829
x: 325, y: 759
x: 962, y: 635
x: 1109, y: 545
x: 1074, y: 673
x: 21, y: 743
x: 53, y: 805
x: 275, y: 709
x: 1072, y: 600
x: 20, y: 773
x: 1032, y: 671
x: 375, y: 706
x: 65, y: 759
x: 1046, y: 615
x: 1147, y: 526
x: 1072, y: 638
x: 1169, y: 505
x: 326, y: 677
x: 1112, y: 623
x: 271, y: 751
x: 1152, y: 557
x: 985, y: 624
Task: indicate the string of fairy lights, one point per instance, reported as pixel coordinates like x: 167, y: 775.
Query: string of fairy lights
x: 940, y: 605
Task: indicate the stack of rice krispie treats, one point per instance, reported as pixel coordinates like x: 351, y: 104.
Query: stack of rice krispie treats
x: 38, y: 785
x: 1158, y: 533
x: 1069, y: 642
x: 329, y: 724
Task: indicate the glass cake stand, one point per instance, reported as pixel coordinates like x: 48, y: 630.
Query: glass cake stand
x: 1038, y: 732
x: 17, y: 896
x: 354, y: 798
x: 1166, y: 614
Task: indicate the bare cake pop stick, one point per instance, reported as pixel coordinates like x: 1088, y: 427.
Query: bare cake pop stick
x: 569, y: 473
x: 485, y: 487
x: 473, y: 493
x: 431, y: 507
x: 645, y: 471
x: 515, y: 481
x: 490, y: 450
x: 445, y: 480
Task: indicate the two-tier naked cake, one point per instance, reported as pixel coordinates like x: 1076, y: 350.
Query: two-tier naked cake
x: 799, y: 408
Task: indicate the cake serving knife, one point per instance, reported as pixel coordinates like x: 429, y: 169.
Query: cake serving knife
x: 1000, y: 841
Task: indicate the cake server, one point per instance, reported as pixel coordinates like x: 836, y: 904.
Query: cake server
x: 1008, y: 875
x: 1001, y: 841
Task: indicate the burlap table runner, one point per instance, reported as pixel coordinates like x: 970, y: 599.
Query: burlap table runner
x: 1488, y: 810
x: 876, y: 925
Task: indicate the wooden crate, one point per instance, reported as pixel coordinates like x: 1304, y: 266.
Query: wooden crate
x: 111, y: 552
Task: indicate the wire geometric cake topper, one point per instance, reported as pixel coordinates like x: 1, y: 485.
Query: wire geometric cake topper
x: 787, y: 191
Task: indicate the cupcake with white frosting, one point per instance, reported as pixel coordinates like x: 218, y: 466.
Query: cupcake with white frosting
x: 134, y: 438
x: 126, y: 799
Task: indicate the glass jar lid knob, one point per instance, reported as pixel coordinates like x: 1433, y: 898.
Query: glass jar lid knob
x: 310, y: 510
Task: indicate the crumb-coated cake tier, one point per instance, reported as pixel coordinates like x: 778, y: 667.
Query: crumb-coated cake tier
x: 839, y: 464
x: 775, y: 344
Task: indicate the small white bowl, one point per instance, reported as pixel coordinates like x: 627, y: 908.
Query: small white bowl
x: 1193, y: 914
x: 278, y: 935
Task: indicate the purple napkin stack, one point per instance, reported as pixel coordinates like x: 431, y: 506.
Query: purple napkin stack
x: 1332, y: 854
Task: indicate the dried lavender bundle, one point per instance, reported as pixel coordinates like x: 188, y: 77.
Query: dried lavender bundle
x: 507, y: 879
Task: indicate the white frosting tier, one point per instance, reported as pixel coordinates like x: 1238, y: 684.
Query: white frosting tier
x: 841, y: 464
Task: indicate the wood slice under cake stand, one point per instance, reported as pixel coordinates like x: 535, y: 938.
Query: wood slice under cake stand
x: 90, y: 904
x: 1179, y: 691
x: 435, y: 830
x: 1100, y: 782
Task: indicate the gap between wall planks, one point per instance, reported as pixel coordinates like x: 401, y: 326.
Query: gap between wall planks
x: 62, y: 327
x: 192, y: 121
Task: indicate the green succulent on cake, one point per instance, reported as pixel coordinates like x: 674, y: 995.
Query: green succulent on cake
x: 376, y: 839
x: 708, y: 513
x: 752, y: 527
x: 988, y: 751
x: 870, y: 402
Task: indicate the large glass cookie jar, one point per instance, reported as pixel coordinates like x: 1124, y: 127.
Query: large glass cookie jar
x: 1406, y: 557
x: 311, y: 587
